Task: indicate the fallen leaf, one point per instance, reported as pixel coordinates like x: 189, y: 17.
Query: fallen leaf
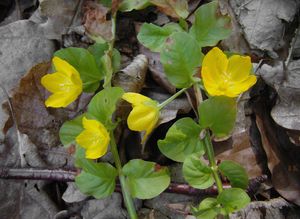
x: 275, y: 208
x: 282, y: 155
x: 95, y: 21
x: 60, y: 17
x: 41, y: 124
x: 264, y: 21
x: 173, y: 8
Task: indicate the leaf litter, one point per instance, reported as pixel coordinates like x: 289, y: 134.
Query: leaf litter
x: 39, y: 132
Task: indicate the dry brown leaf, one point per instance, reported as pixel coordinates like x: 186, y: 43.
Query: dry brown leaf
x: 173, y: 8
x: 41, y: 124
x: 95, y: 20
x: 282, y: 155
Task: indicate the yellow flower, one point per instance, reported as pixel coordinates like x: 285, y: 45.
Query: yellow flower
x: 226, y: 77
x: 65, y: 84
x: 94, y: 138
x: 144, y: 115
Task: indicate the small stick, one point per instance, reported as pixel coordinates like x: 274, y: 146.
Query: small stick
x: 69, y: 176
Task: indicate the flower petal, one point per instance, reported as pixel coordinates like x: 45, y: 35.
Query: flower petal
x: 241, y: 87
x: 141, y: 117
x: 60, y: 99
x: 63, y: 66
x: 214, y: 66
x: 56, y: 82
x: 95, y: 138
x: 93, y: 144
x: 135, y: 98
x: 239, y: 67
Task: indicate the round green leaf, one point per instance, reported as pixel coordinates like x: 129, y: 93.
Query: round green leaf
x: 181, y: 57
x: 218, y: 113
x: 182, y: 140
x: 208, y: 209
x: 98, y: 51
x: 146, y: 179
x: 233, y: 199
x: 197, y: 173
x: 70, y: 130
x: 210, y: 27
x: 85, y: 64
x: 103, y: 105
x: 236, y: 174
x: 154, y: 37
x: 97, y: 179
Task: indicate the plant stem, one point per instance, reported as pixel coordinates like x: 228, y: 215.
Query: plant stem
x: 125, y: 191
x: 109, y: 53
x: 211, y: 157
x: 169, y: 100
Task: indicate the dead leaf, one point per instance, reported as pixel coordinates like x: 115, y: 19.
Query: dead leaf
x: 41, y: 124
x: 277, y: 208
x: 285, y: 81
x: 95, y: 21
x: 264, y: 21
x: 60, y: 17
x: 282, y: 155
x: 173, y: 8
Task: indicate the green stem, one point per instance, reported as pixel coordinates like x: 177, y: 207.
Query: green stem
x: 211, y: 157
x: 109, y: 68
x: 169, y: 100
x: 125, y: 191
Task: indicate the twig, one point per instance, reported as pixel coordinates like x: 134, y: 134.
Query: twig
x: 37, y: 174
x: 69, y: 176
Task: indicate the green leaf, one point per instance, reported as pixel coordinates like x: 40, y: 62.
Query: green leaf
x: 218, y: 113
x: 80, y: 160
x: 146, y: 179
x: 116, y: 60
x: 103, y: 105
x: 209, y: 27
x: 236, y: 174
x: 174, y: 8
x: 182, y: 140
x: 84, y: 62
x: 70, y: 130
x: 208, y: 209
x: 97, y: 179
x: 98, y: 51
x: 154, y: 37
x: 197, y: 173
x: 233, y: 199
x: 181, y: 57
x: 129, y: 5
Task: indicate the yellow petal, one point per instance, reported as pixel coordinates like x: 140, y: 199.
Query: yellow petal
x: 94, y: 138
x: 91, y: 141
x: 59, y: 99
x: 56, y: 82
x: 142, y: 117
x: 242, y: 86
x: 214, y: 66
x: 96, y: 152
x: 63, y: 66
x: 91, y: 124
x: 135, y: 98
x: 239, y: 67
